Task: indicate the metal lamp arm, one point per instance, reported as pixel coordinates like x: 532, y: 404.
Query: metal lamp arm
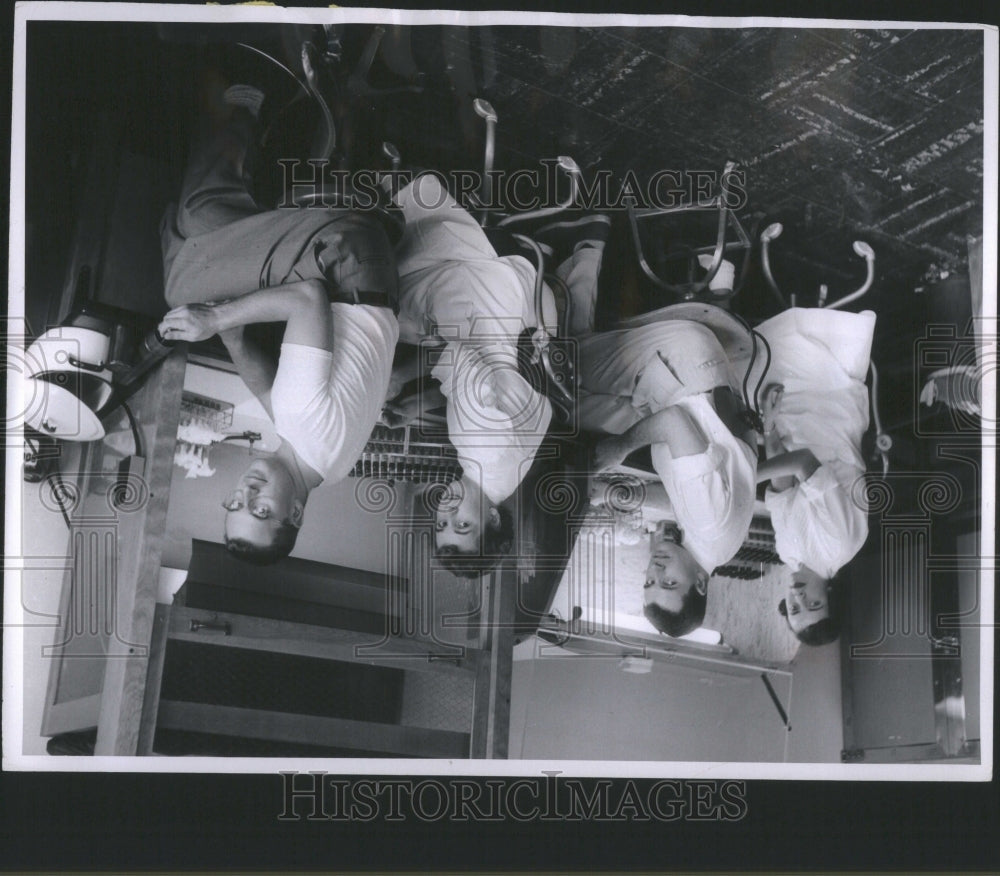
x: 769, y: 234
x: 868, y: 254
x: 686, y: 291
x: 883, y: 442
x: 572, y: 170
x: 328, y: 140
x: 720, y: 234
x: 484, y: 109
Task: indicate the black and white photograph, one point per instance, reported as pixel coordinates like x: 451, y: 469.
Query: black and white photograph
x: 487, y: 394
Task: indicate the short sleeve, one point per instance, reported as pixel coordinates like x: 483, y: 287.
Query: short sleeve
x: 820, y: 482
x: 806, y: 493
x: 301, y: 382
x: 496, y: 421
x: 701, y: 488
x: 697, y: 465
x: 325, y: 404
x: 817, y: 523
x: 712, y: 492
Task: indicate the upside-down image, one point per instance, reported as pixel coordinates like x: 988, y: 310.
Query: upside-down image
x: 514, y: 387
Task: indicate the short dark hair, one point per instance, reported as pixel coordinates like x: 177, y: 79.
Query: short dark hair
x: 494, y: 544
x: 679, y: 623
x: 826, y: 629
x: 820, y: 633
x: 265, y: 555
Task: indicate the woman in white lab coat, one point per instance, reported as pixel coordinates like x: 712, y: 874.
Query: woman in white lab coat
x: 815, y: 412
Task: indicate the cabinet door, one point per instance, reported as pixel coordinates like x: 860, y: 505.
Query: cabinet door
x: 247, y: 685
x: 911, y: 657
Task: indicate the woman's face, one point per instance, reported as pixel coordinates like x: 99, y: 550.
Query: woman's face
x: 458, y: 520
x: 671, y: 573
x: 807, y: 600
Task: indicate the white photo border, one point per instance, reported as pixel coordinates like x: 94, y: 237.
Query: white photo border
x: 13, y: 611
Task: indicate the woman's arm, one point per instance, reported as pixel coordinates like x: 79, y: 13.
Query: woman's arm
x: 783, y: 470
x: 420, y: 408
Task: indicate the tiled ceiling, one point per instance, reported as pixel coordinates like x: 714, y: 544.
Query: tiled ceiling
x: 842, y: 134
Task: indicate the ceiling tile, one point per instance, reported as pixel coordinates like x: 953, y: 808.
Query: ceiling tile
x: 867, y: 43
x: 940, y: 65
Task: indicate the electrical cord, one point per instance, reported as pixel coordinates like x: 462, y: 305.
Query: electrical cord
x: 57, y: 494
x: 54, y: 481
x: 754, y: 415
x: 763, y: 373
x: 33, y: 445
x: 746, y: 375
x: 136, y: 436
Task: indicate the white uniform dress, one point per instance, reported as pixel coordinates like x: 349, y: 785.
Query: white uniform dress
x: 453, y: 287
x: 821, y: 357
x: 326, y: 403
x: 630, y: 374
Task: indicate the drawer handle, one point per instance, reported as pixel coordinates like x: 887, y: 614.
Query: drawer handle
x: 444, y: 658
x: 211, y: 627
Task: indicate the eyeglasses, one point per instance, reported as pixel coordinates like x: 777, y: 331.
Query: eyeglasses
x: 457, y: 526
x: 234, y: 502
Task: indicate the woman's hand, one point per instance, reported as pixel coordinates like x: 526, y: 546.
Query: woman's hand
x: 403, y: 412
x: 191, y: 322
x: 770, y: 404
